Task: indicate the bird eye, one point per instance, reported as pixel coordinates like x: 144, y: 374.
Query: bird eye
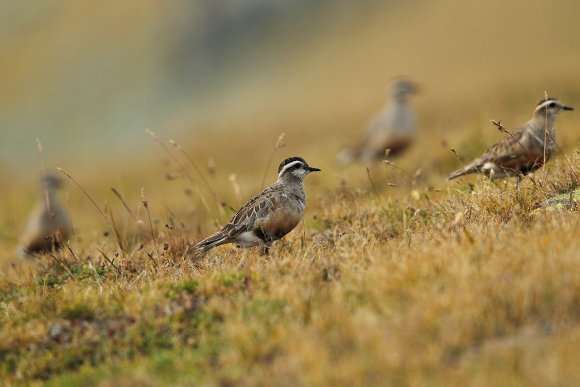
x: 297, y: 166
x: 552, y: 105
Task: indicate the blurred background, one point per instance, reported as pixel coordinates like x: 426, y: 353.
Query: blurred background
x: 225, y: 78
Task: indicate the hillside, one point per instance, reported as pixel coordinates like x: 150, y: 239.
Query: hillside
x: 395, y: 276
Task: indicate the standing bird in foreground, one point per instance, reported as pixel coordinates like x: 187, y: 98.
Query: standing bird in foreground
x: 394, y: 129
x: 525, y: 150
x: 269, y: 215
x: 49, y: 225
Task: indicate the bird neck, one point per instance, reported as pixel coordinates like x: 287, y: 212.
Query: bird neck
x: 541, y: 122
x: 48, y: 197
x: 290, y: 179
x: 293, y: 184
x: 400, y: 99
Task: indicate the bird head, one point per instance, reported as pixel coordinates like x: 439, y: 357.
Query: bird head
x: 402, y: 88
x: 550, y: 107
x: 294, y: 168
x: 50, y: 181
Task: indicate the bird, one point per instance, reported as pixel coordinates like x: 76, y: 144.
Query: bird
x: 268, y: 216
x: 49, y: 225
x: 392, y: 131
x: 523, y: 151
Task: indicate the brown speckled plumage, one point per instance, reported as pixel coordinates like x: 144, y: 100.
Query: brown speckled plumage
x: 522, y: 152
x: 269, y: 215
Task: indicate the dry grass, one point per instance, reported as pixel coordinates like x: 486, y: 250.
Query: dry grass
x: 390, y: 280
x: 399, y: 285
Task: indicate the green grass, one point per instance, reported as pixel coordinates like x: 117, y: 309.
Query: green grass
x: 390, y: 280
x: 435, y: 288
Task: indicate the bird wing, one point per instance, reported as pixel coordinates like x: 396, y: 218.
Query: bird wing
x: 508, y: 153
x: 513, y: 153
x: 506, y: 147
x: 255, y: 210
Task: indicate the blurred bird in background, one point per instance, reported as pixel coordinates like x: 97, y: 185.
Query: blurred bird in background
x: 394, y: 129
x: 49, y: 225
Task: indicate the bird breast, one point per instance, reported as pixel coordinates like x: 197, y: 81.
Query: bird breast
x: 536, y: 140
x: 283, y: 219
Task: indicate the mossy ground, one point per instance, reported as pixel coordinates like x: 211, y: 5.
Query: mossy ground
x: 395, y: 277
x: 380, y: 284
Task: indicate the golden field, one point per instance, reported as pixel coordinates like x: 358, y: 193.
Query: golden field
x: 395, y: 277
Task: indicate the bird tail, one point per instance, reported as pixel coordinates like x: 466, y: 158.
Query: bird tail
x: 474, y: 167
x: 209, y: 243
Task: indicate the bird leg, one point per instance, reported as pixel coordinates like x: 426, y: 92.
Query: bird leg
x: 518, y: 180
x: 266, y: 249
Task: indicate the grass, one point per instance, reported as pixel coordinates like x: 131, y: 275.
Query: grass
x: 394, y: 285
x: 395, y: 277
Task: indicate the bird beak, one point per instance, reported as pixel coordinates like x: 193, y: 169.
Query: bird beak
x: 567, y: 108
x: 312, y: 169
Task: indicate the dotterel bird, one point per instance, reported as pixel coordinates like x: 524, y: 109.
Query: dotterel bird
x: 269, y: 215
x: 525, y: 150
x: 394, y: 129
x: 49, y: 225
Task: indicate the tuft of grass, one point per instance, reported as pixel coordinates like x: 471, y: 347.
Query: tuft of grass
x: 392, y: 281
x: 395, y: 277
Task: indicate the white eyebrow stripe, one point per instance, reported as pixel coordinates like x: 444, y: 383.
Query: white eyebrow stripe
x: 544, y: 104
x: 289, y: 165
